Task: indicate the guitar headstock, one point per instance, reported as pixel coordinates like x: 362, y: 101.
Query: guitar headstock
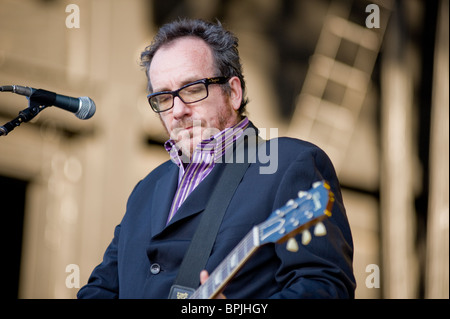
x: 299, y: 214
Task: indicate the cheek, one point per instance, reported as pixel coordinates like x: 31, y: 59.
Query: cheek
x: 214, y: 113
x: 166, y: 122
x: 209, y: 117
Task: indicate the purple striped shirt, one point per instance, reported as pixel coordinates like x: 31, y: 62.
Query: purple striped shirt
x: 206, y: 154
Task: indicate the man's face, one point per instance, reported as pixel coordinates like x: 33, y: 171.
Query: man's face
x: 183, y: 61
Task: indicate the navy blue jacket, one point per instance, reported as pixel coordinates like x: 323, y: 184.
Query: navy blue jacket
x: 143, y: 258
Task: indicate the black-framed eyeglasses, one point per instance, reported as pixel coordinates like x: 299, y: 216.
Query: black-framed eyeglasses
x: 189, y: 93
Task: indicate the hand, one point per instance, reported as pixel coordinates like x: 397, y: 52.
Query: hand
x: 203, y: 277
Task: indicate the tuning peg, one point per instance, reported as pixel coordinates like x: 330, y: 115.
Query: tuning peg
x: 302, y: 194
x: 292, y: 245
x: 306, y: 237
x: 320, y: 230
x: 316, y: 184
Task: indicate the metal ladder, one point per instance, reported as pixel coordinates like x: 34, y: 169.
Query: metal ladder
x: 338, y: 78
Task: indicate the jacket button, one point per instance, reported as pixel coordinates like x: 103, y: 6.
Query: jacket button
x: 155, y: 268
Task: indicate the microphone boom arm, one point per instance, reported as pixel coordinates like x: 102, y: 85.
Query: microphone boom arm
x: 24, y: 116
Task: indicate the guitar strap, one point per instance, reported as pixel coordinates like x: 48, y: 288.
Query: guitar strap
x: 203, y: 240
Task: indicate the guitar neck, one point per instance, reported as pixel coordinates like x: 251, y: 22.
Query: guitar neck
x: 283, y: 224
x: 226, y: 270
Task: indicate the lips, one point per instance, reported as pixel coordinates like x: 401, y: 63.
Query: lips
x: 180, y: 130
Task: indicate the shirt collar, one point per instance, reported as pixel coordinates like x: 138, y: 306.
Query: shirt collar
x: 215, y: 146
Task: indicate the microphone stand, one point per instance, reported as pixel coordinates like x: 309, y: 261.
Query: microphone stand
x: 25, y: 115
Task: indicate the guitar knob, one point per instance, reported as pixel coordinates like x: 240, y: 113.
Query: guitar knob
x: 292, y: 245
x: 320, y: 230
x: 306, y: 237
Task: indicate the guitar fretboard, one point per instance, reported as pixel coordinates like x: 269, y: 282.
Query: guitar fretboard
x: 228, y: 267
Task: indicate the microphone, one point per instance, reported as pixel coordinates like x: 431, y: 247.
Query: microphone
x: 83, y: 107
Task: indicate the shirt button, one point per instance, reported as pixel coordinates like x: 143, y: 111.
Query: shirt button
x: 155, y: 268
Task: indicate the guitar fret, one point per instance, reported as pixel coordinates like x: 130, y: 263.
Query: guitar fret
x: 233, y: 261
x: 217, y: 279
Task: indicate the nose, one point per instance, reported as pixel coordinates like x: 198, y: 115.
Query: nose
x: 180, y: 109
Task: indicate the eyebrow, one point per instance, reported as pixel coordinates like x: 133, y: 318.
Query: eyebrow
x: 183, y: 83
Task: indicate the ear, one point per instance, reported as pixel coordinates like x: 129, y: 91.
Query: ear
x: 236, y: 92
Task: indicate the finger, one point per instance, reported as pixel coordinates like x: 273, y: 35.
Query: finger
x: 203, y: 276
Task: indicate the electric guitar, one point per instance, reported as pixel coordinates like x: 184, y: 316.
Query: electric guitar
x: 297, y: 216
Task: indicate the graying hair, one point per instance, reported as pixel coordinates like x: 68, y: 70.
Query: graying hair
x: 223, y: 43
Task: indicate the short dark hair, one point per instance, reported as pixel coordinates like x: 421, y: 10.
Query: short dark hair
x: 222, y: 42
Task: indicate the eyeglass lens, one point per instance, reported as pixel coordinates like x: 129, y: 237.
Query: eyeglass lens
x: 189, y: 94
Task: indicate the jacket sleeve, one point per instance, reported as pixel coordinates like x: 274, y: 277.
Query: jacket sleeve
x: 323, y: 268
x: 103, y: 283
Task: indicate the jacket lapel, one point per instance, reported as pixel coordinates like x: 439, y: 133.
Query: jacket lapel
x: 165, y: 189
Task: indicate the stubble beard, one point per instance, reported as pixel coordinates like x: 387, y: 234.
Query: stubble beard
x: 190, y: 132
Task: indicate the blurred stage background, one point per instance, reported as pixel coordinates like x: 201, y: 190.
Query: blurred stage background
x: 376, y: 99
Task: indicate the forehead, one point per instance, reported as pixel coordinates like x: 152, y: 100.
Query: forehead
x: 184, y: 59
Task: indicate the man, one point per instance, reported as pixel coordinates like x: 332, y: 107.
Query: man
x: 198, y: 90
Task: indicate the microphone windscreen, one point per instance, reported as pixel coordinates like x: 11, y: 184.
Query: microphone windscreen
x: 87, y: 108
